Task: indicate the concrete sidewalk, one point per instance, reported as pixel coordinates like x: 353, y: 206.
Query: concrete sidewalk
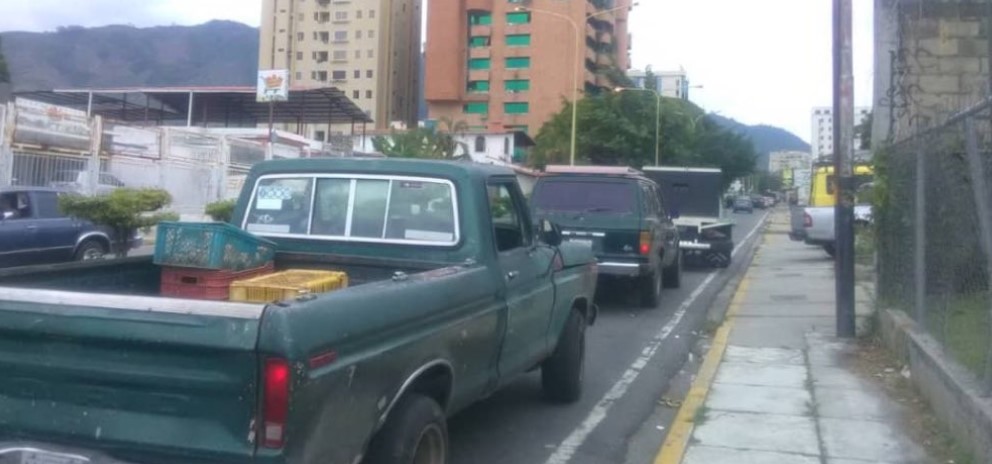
x: 776, y: 387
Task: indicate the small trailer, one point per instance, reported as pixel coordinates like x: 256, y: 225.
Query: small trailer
x: 693, y: 198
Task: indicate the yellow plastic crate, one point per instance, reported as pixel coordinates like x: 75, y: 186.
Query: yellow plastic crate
x: 287, y: 285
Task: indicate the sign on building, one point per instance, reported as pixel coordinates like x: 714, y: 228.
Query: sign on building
x: 273, y: 85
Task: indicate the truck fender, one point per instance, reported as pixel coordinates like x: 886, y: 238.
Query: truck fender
x: 95, y: 235
x: 425, y: 377
x: 589, y: 310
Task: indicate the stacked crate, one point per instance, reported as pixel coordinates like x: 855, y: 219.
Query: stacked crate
x: 201, y: 260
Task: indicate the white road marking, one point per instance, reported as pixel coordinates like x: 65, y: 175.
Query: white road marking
x: 564, y: 452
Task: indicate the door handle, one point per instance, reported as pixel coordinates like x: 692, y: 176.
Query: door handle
x: 512, y: 275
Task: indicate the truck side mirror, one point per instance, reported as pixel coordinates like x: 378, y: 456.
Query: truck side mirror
x: 549, y: 232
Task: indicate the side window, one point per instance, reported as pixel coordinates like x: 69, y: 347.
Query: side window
x: 648, y: 198
x: 47, y: 205
x: 509, y: 226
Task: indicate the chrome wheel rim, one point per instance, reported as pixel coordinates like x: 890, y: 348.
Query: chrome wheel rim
x: 430, y: 446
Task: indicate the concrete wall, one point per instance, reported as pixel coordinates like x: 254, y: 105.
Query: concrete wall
x: 931, y: 59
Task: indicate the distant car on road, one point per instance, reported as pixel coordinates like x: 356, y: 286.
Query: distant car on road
x: 78, y: 181
x: 34, y: 231
x: 743, y: 204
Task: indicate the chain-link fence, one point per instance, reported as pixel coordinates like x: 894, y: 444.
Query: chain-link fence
x: 935, y: 234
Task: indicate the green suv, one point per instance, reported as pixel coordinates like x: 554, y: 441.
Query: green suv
x: 619, y: 213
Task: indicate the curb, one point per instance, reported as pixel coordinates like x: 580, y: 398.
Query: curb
x: 673, y: 448
x: 952, y: 392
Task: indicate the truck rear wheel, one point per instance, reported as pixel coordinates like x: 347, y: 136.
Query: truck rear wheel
x: 649, y: 288
x: 563, y: 372
x: 414, y: 433
x: 673, y: 274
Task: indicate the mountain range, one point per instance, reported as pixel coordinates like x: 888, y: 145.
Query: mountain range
x: 210, y: 54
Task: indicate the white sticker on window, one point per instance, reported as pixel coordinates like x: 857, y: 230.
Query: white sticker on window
x: 428, y: 236
x: 268, y: 204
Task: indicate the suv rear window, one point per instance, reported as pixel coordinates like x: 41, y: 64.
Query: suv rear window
x: 586, y: 196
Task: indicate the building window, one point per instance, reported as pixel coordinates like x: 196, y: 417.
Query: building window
x: 480, y: 144
x: 340, y: 55
x: 480, y: 18
x: 299, y: 56
x: 340, y: 15
x: 518, y: 17
x: 302, y: 18
x: 325, y: 37
x: 355, y: 94
x: 371, y: 34
x: 478, y: 86
x: 358, y: 14
x: 479, y: 63
x: 368, y: 94
x: 479, y: 41
x: 518, y: 62
x: 323, y: 18
x: 358, y: 74
x: 358, y: 34
x: 300, y: 36
x: 299, y: 75
x: 322, y: 76
x: 340, y: 36
x: 358, y: 54
x: 371, y: 14
x: 368, y: 74
x: 516, y: 108
x: 518, y: 40
x: 320, y: 135
x: 517, y: 85
x: 339, y: 75
x: 369, y: 53
x: 476, y: 108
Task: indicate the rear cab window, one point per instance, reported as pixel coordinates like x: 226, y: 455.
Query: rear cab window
x: 589, y: 195
x: 355, y: 208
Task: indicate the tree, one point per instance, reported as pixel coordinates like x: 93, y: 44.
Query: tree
x: 439, y: 143
x: 221, y: 211
x: 650, y: 79
x: 618, y: 129
x: 4, y: 71
x: 123, y: 211
x: 863, y: 132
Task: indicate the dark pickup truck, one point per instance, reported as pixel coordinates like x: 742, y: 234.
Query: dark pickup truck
x: 454, y: 292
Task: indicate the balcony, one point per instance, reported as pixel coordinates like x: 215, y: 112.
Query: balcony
x: 590, y: 54
x: 480, y: 52
x: 519, y: 29
x: 480, y: 31
x: 477, y: 96
x: 479, y: 74
x: 511, y: 97
x: 513, y: 74
x: 604, y: 59
x: 517, y: 52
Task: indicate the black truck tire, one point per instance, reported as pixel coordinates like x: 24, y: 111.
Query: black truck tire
x: 414, y: 432
x: 562, y: 374
x: 672, y: 277
x: 90, y: 249
x: 649, y: 289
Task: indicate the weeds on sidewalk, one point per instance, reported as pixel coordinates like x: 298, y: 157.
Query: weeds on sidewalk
x: 877, y: 365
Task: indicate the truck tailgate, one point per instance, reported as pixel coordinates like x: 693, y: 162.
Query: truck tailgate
x: 135, y: 378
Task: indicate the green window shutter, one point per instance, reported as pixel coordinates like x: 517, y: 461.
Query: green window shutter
x: 517, y: 85
x: 520, y: 62
x: 517, y: 128
x: 480, y: 41
x: 477, y: 108
x: 518, y: 17
x: 480, y: 19
x: 478, y: 86
x: 516, y: 107
x: 479, y: 63
x: 518, y: 40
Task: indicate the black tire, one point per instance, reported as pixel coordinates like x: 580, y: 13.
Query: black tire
x: 649, y: 289
x: 672, y: 277
x: 830, y: 250
x: 415, y: 432
x: 90, y: 250
x: 562, y: 374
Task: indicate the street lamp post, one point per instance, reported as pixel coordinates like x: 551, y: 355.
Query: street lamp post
x: 579, y: 40
x: 657, y: 119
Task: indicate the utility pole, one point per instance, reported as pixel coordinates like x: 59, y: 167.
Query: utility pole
x: 843, y: 166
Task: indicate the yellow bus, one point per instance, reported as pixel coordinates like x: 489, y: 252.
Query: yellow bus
x: 823, y: 192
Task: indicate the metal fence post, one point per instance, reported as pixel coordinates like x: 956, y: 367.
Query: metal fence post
x: 920, y: 234
x: 980, y: 189
x: 222, y: 166
x: 6, y: 154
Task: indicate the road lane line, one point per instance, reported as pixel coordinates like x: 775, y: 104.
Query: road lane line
x: 564, y: 452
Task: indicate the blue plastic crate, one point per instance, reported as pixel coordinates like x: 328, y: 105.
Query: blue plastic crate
x: 211, y: 245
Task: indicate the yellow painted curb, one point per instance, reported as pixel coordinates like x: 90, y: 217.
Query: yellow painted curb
x: 673, y: 449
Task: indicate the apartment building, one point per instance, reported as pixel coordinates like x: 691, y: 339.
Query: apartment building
x: 509, y: 64
x: 822, y: 137
x: 370, y: 49
x: 671, y: 84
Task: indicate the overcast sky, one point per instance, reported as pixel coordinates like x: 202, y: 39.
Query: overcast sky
x: 759, y: 61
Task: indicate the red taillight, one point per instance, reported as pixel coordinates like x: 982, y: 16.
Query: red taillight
x: 275, y: 403
x: 645, y: 243
x: 807, y: 220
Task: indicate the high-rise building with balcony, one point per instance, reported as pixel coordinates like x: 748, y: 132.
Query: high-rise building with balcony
x: 370, y: 49
x: 510, y: 64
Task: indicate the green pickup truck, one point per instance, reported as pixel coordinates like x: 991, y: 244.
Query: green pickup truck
x: 454, y: 292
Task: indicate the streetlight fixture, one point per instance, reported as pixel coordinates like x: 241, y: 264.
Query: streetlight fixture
x: 657, y: 119
x: 579, y: 41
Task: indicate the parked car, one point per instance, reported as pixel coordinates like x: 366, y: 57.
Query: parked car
x: 444, y: 305
x: 78, y: 181
x: 34, y: 231
x: 620, y: 214
x: 743, y: 204
x: 758, y: 202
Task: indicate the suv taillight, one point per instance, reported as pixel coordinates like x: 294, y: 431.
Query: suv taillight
x: 275, y: 402
x: 644, y: 247
x: 807, y: 220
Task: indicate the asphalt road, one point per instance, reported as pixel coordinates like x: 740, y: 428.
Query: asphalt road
x: 632, y: 354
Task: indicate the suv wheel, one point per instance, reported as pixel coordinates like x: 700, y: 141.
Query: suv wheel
x: 673, y: 274
x: 90, y: 250
x: 649, y: 287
